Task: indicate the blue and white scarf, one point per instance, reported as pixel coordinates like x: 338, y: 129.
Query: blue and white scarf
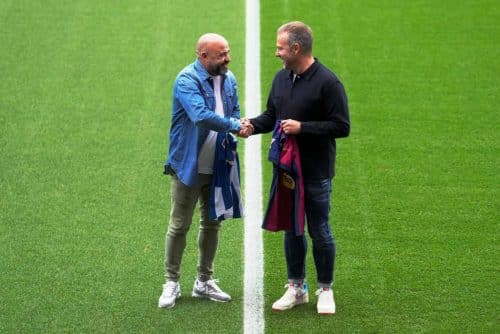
x: 225, y: 192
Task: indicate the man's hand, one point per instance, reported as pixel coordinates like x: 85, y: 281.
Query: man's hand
x: 290, y: 126
x: 246, y: 128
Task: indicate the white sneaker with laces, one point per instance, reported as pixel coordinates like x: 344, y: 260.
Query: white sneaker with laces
x: 326, y: 303
x: 171, y: 291
x: 294, y: 295
x: 210, y: 290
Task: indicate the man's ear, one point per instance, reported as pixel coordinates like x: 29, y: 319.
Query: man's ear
x: 202, y: 53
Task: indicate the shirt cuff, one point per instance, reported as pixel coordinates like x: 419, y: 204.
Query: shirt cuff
x: 235, y: 124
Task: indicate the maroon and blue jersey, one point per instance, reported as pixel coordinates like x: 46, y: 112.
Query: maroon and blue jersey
x: 285, y: 210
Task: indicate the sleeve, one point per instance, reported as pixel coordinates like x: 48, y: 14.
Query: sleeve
x: 337, y: 122
x: 188, y: 91
x: 235, y: 112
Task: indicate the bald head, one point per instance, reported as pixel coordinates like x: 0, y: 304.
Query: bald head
x: 209, y: 40
x: 213, y: 52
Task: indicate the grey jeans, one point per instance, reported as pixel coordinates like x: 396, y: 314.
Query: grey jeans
x: 183, y: 203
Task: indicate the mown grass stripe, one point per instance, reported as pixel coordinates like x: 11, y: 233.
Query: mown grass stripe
x: 253, y: 281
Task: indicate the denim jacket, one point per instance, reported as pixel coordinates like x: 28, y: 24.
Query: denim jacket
x: 193, y: 116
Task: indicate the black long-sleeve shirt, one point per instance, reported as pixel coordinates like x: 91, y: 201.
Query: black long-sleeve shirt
x: 318, y: 100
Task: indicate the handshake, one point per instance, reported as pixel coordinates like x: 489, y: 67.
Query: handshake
x: 288, y: 126
x: 247, y: 128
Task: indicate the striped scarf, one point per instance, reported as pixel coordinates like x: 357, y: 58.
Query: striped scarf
x: 225, y: 192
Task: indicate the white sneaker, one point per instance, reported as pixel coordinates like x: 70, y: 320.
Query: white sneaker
x: 171, y: 291
x: 292, y: 297
x: 210, y: 290
x: 326, y: 303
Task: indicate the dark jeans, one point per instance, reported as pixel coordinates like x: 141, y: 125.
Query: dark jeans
x: 317, y: 207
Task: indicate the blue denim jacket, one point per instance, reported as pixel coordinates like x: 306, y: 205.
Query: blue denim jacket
x: 193, y: 116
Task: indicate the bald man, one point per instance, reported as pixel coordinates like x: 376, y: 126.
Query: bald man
x: 205, y: 103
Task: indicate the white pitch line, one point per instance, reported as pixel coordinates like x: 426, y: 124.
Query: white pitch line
x: 253, y: 282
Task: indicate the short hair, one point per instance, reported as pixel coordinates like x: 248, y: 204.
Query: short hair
x: 299, y: 33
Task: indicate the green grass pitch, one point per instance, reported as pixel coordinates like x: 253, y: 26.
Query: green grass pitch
x: 85, y: 98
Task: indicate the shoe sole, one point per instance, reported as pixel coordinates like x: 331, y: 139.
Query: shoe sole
x: 166, y: 306
x: 200, y: 295
x: 326, y: 311
x: 305, y: 300
x: 292, y: 306
x: 170, y: 306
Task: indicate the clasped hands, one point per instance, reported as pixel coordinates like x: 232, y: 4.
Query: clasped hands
x: 289, y: 126
x: 247, y: 128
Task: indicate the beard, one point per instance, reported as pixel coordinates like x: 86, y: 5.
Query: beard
x: 217, y: 69
x: 286, y: 63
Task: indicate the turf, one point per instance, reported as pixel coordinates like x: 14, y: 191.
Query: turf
x: 415, y: 203
x: 85, y: 101
x: 86, y: 94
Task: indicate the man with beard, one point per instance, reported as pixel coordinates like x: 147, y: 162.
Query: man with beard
x: 309, y: 102
x: 205, y: 103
